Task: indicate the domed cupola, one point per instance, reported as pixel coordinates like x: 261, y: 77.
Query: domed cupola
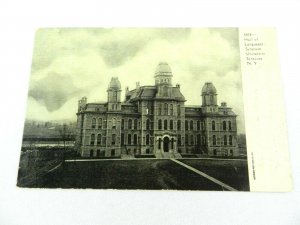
x: 163, y: 74
x: 209, y: 95
x: 114, y: 84
x: 209, y: 88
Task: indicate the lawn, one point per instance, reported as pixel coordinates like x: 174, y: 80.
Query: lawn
x: 151, y: 174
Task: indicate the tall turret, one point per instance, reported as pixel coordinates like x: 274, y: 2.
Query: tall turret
x: 114, y: 94
x: 209, y: 97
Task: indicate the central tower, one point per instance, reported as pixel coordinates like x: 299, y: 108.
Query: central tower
x: 163, y: 79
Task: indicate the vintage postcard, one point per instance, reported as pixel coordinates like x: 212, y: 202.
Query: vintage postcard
x: 155, y: 109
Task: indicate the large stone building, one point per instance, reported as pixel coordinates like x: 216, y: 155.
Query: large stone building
x: 154, y: 120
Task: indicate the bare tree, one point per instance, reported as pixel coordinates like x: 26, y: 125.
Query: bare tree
x: 65, y: 134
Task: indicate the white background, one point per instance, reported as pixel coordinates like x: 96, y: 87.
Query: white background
x: 18, y: 22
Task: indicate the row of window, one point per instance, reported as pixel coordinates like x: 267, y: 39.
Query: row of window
x: 225, y: 139
x: 167, y: 109
x: 134, y: 139
x: 224, y: 152
x: 225, y: 125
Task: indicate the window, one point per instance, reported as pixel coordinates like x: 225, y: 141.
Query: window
x: 171, y: 124
x: 213, y: 125
x: 178, y: 125
x: 179, y: 140
x: 91, y: 153
x: 171, y: 110
x: 122, y: 124
x: 178, y: 110
x: 147, y: 139
x: 215, y: 151
x: 114, y: 121
x: 122, y: 139
x: 186, y: 125
x: 94, y: 123
x: 198, y: 124
x: 165, y: 109
x: 191, y: 125
x: 112, y: 153
x: 129, y: 139
x: 225, y: 140
x: 92, y: 139
x: 104, y: 140
x: 135, y: 139
x: 98, y: 152
x: 99, y: 139
x: 198, y: 139
x: 147, y: 151
x: 159, y: 124
x: 229, y: 125
x: 230, y: 140
x: 113, y: 139
x: 165, y: 91
x: 165, y: 124
x: 214, y: 140
x: 231, y: 152
x: 129, y: 124
x: 224, y: 125
x: 147, y: 124
x: 172, y: 143
x: 99, y: 123
x: 135, y: 124
x: 159, y: 109
x: 186, y: 139
x: 159, y: 143
x: 192, y: 139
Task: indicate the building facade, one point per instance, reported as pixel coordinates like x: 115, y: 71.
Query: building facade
x: 154, y: 120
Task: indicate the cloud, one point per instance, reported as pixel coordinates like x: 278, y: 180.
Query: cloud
x: 71, y: 63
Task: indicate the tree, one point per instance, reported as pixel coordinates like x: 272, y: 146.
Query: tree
x: 65, y: 134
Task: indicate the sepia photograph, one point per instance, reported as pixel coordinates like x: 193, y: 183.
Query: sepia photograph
x: 135, y: 108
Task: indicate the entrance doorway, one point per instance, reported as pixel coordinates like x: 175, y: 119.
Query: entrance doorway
x: 166, y: 142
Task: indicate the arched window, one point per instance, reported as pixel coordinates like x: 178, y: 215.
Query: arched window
x: 186, y: 139
x: 230, y: 140
x: 147, y: 124
x: 129, y: 139
x: 99, y: 139
x: 225, y: 140
x: 179, y: 140
x: 186, y: 125
x: 113, y: 139
x: 198, y: 139
x: 114, y: 123
x: 224, y: 125
x: 159, y: 143
x: 171, y: 110
x: 165, y: 90
x: 98, y: 152
x: 171, y: 124
x: 94, y: 123
x: 213, y: 125
x: 129, y: 124
x: 165, y: 124
x: 91, y: 153
x: 135, y: 124
x: 178, y: 125
x: 122, y: 139
x: 99, y: 123
x: 192, y: 139
x: 92, y: 139
x: 122, y: 124
x: 178, y: 110
x: 135, y: 139
x: 159, y: 109
x: 159, y: 124
x: 147, y: 139
x: 198, y: 124
x: 214, y: 140
x: 191, y: 125
x: 165, y: 109
x: 229, y: 125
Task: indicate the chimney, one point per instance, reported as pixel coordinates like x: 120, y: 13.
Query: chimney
x: 137, y: 85
x: 178, y: 86
x: 223, y: 104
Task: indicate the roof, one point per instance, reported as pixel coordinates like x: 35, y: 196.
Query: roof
x: 209, y: 88
x: 163, y: 68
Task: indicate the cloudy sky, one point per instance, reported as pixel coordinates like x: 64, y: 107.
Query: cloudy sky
x: 71, y: 63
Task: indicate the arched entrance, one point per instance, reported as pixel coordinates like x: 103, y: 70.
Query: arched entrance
x: 166, y: 142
